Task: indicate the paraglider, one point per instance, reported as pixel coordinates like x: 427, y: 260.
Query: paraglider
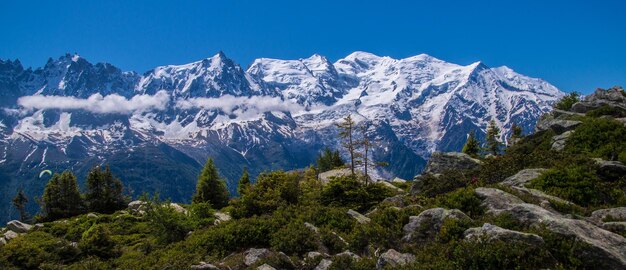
x: 41, y: 174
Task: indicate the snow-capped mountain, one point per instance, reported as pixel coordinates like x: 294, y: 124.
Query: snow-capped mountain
x: 157, y: 129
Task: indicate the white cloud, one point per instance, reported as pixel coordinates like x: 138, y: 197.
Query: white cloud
x: 243, y: 107
x: 98, y: 103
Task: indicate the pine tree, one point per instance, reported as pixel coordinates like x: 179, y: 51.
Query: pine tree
x: 516, y: 131
x: 61, y: 198
x: 472, y: 146
x: 244, y: 182
x: 368, y: 162
x: 328, y: 160
x: 211, y: 187
x: 347, y: 134
x: 104, y: 191
x: 19, y: 202
x: 492, y: 142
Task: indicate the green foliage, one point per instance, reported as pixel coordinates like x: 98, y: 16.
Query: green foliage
x: 346, y: 132
x: 566, y: 102
x: 608, y: 111
x: 500, y: 255
x: 432, y: 186
x: 168, y: 224
x: 294, y: 238
x: 332, y: 241
x: 104, y: 191
x: 271, y: 191
x: 464, y: 199
x: 211, y: 187
x: 244, y: 182
x: 19, y: 202
x: 453, y: 229
x: 97, y: 241
x: 328, y: 160
x: 472, y: 146
x: 347, y: 191
x: 34, y: 249
x: 516, y: 131
x: 202, y: 214
x: 598, y: 137
x: 61, y: 198
x: 492, y: 144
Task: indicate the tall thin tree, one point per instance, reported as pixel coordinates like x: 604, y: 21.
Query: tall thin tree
x: 492, y: 141
x: 211, y: 187
x: 346, y: 132
x: 19, y: 202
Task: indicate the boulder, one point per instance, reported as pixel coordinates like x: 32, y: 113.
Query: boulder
x: 398, y: 180
x: 314, y: 254
x: 10, y: 235
x: 2, y: 241
x: 426, y: 225
x: 265, y: 266
x: 610, y: 214
x: 358, y: 216
x: 393, y: 258
x: 254, y: 254
x: 610, y: 170
x: 204, y: 266
x: 136, y: 206
x: 559, y: 126
x: 618, y: 227
x: 221, y: 217
x: 350, y: 254
x: 605, y: 249
x: 92, y: 215
x: 612, y: 97
x: 179, y: 208
x: 391, y: 186
x: 489, y: 232
x: 324, y: 264
x: 558, y: 141
x: 522, y: 177
x: 325, y: 177
x: 440, y: 162
x: 397, y: 200
x: 18, y: 226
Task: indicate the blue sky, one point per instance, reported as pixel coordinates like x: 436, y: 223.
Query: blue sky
x: 576, y: 45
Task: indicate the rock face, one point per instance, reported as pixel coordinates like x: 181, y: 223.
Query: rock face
x: 489, y: 232
x: 559, y: 126
x: 618, y: 227
x: 324, y: 264
x: 610, y: 170
x: 612, y: 97
x: 178, y: 208
x: 605, y: 249
x: 204, y: 266
x: 523, y: 177
x: 393, y: 258
x: 265, y: 266
x: 325, y: 177
x: 427, y: 224
x: 10, y: 235
x: 136, y: 206
x: 614, y: 214
x: 18, y: 226
x: 558, y: 141
x: 358, y: 216
x: 440, y: 162
x: 254, y: 254
x: 221, y: 217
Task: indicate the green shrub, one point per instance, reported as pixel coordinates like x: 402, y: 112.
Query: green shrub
x: 501, y: 255
x: 31, y: 250
x: 168, y: 224
x: 97, y: 241
x: 271, y: 191
x: 606, y: 110
x: 453, y: 229
x: 295, y: 238
x: 349, y: 192
x: 464, y: 199
x: 202, y: 215
x: 332, y: 241
x: 432, y: 186
x: 576, y: 183
x: 599, y: 137
x: 566, y: 102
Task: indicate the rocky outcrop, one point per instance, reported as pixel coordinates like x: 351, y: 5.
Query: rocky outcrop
x: 324, y: 264
x: 18, y: 226
x: 425, y: 226
x: 558, y: 141
x: 612, y: 97
x: 489, y: 232
x: 610, y: 170
x: 178, y: 208
x: 10, y: 235
x: 605, y: 249
x: 523, y: 177
x: 609, y: 214
x: 252, y: 255
x: 204, y: 266
x: 393, y: 258
x: 221, y: 217
x: 265, y: 266
x: 440, y: 162
x: 350, y: 254
x: 136, y: 206
x: 618, y: 227
x: 325, y: 177
x: 391, y: 186
x: 397, y: 201
x: 559, y: 126
x: 358, y: 216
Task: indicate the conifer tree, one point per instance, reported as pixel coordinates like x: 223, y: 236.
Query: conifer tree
x: 244, y: 182
x: 492, y: 142
x: 61, y: 198
x: 516, y: 131
x: 472, y: 146
x: 347, y: 134
x: 104, y: 191
x: 328, y: 160
x: 19, y: 202
x: 211, y: 187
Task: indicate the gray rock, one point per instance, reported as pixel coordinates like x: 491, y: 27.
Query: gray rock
x: 312, y: 227
x: 610, y: 170
x: 265, y: 266
x: 558, y: 141
x: 92, y: 215
x: 136, y: 206
x: 560, y: 114
x: 559, y: 126
x: 606, y: 249
x: 489, y: 232
x: 324, y: 264
x: 391, y: 186
x: 325, y: 177
x: 614, y: 214
x: 2, y: 241
x: 314, y: 254
x: 18, y: 226
x: 523, y: 177
x: 615, y: 226
x: 39, y: 225
x: 221, y: 217
x: 349, y: 254
x: 440, y: 162
x: 204, y: 266
x: 358, y: 216
x: 426, y: 225
x: 398, y: 180
x: 179, y: 208
x: 254, y: 254
x: 74, y: 244
x: 10, y: 235
x: 393, y: 258
x: 611, y: 97
x: 397, y: 200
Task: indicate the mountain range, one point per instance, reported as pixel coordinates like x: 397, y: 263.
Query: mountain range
x: 156, y: 129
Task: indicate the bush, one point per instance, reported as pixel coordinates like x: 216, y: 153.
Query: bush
x: 97, y: 241
x: 349, y: 192
x: 501, y: 255
x: 463, y: 199
x: 31, y: 250
x: 295, y: 238
x: 168, y: 224
x: 598, y: 137
x: 607, y: 110
x: 566, y: 102
x: 202, y: 215
x: 271, y: 191
x: 577, y: 183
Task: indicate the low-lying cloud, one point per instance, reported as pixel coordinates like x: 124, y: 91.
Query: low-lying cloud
x: 244, y: 107
x: 97, y: 103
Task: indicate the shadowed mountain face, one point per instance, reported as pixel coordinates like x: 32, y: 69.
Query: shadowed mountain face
x: 157, y: 129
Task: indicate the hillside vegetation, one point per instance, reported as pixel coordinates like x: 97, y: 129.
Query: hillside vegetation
x: 554, y: 199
